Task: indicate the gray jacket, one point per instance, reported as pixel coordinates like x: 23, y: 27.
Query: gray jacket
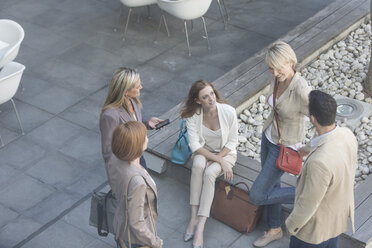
x: 109, y: 120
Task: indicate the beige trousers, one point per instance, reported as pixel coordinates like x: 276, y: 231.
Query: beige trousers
x: 202, y: 182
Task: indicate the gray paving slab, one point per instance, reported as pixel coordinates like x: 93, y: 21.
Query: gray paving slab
x: 58, y: 170
x: 61, y: 235
x: 22, y: 153
x: 30, y: 116
x: 55, y: 99
x: 85, y: 113
x: 52, y: 206
x: 6, y: 215
x: 8, y: 135
x: 10, y: 234
x: 7, y: 172
x: 79, y: 79
x: 55, y: 133
x: 88, y: 181
x: 78, y: 148
x: 24, y: 192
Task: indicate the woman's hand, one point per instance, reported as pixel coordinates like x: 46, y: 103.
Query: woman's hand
x: 303, y: 151
x: 153, y: 121
x: 227, y: 170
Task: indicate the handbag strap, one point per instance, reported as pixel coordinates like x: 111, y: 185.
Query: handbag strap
x: 182, y: 124
x: 246, y: 185
x: 274, y: 103
x: 126, y: 213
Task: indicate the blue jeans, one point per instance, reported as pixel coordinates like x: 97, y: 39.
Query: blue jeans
x: 297, y: 243
x: 132, y: 246
x: 266, y: 188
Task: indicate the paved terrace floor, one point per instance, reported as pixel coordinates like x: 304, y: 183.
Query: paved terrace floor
x: 70, y: 51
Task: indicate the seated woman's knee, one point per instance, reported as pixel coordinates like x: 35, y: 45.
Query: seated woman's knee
x: 198, y: 167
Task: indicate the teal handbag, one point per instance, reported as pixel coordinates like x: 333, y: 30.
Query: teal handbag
x: 181, y: 151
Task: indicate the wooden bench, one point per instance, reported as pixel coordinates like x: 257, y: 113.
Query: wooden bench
x: 241, y: 86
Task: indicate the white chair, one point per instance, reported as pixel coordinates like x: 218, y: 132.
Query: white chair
x: 187, y: 10
x: 11, y: 33
x: 10, y: 77
x: 134, y: 4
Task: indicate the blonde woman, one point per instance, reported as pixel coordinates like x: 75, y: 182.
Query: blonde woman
x: 133, y: 187
x: 292, y: 106
x: 213, y: 131
x: 122, y: 105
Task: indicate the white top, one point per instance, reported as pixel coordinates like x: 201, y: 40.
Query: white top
x: 228, y: 124
x: 212, y: 139
x: 268, y: 129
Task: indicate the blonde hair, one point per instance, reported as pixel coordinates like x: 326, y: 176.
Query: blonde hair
x: 123, y: 80
x: 128, y: 140
x: 279, y: 54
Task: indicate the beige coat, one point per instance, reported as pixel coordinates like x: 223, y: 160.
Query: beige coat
x: 324, y: 191
x: 109, y: 120
x: 291, y: 106
x: 142, y: 195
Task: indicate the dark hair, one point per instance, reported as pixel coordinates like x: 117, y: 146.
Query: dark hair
x: 323, y: 107
x: 190, y: 106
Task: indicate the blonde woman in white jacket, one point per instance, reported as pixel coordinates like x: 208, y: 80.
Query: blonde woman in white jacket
x: 213, y: 132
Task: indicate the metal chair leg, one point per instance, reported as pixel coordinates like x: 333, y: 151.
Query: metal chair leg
x: 119, y: 18
x: 1, y: 142
x: 166, y: 25
x: 19, y: 120
x: 23, y: 88
x: 222, y: 15
x: 148, y: 12
x: 227, y: 13
x: 206, y: 33
x: 126, y: 24
x: 162, y: 17
x: 187, y: 37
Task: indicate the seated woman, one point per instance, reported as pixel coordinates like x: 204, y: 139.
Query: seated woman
x: 133, y: 187
x: 292, y: 100
x: 213, y: 132
x: 122, y: 104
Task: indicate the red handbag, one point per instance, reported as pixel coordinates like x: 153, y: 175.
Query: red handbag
x: 288, y: 160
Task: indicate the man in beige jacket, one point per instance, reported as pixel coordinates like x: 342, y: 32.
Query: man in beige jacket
x: 324, y: 192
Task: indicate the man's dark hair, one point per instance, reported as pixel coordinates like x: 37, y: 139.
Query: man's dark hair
x: 323, y: 107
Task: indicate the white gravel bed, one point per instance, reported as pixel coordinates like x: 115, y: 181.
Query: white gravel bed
x: 341, y: 70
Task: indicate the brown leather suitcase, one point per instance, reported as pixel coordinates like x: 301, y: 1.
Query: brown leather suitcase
x: 232, y: 206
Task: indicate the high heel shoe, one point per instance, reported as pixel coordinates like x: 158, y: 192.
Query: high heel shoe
x: 187, y: 237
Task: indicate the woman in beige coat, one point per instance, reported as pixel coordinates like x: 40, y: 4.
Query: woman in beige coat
x: 133, y: 187
x: 292, y: 106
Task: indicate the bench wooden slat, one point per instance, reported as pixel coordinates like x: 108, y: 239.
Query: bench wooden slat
x: 364, y: 233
